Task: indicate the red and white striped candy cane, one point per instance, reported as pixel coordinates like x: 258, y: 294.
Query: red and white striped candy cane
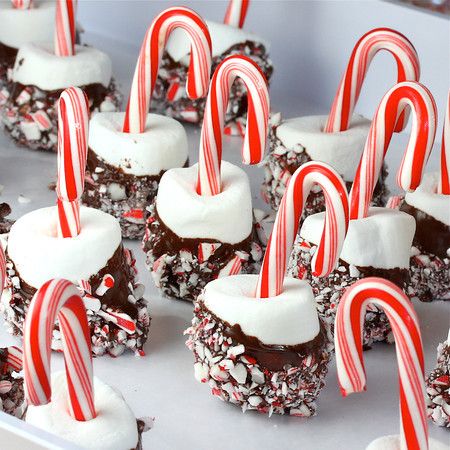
x: 271, y: 277
x: 236, y: 13
x: 59, y: 299
x: 405, y: 326
x: 422, y: 104
x: 22, y: 4
x: 408, y: 69
x: 73, y: 122
x: 444, y: 179
x: 65, y: 27
x: 210, y: 154
x: 150, y: 57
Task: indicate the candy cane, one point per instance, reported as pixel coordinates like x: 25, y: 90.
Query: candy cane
x: 21, y: 4
x: 420, y: 100
x: 14, y: 358
x: 65, y: 27
x: 405, y: 326
x: 59, y: 298
x: 73, y: 120
x: 408, y: 69
x: 150, y: 57
x: 210, y: 156
x: 444, y: 179
x: 236, y: 13
x: 270, y: 282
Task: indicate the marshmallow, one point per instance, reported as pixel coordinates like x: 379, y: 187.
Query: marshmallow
x: 287, y: 319
x: 40, y: 255
x: 226, y: 217
x: 162, y: 146
x: 114, y: 428
x: 382, y: 240
x: 223, y: 37
x: 427, y: 200
x: 37, y: 65
x: 393, y: 443
x: 21, y: 26
x: 340, y: 150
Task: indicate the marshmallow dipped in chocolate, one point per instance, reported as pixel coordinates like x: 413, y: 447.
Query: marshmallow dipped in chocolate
x: 258, y: 341
x: 130, y: 151
x: 228, y: 38
x: 200, y: 225
x: 337, y: 139
x: 81, y: 244
x: 43, y: 69
x: 379, y: 240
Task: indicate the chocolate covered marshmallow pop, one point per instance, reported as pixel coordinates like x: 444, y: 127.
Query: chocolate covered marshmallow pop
x: 438, y: 387
x: 83, y: 245
x: 350, y: 364
x: 429, y: 204
x: 337, y: 139
x: 22, y: 21
x: 129, y: 152
x: 43, y: 71
x: 378, y: 241
x: 227, y: 38
x: 75, y: 406
x: 200, y: 226
x: 258, y: 341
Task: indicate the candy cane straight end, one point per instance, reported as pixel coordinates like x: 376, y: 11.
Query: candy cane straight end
x: 408, y: 69
x: 236, y: 13
x: 73, y: 123
x: 59, y: 299
x: 65, y: 27
x: 150, y: 56
x: 22, y: 4
x: 444, y: 176
x: 406, y: 330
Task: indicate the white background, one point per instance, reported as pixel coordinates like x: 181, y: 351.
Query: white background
x: 311, y: 42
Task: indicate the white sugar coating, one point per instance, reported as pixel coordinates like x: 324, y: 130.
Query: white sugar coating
x: 21, y: 26
x: 287, y: 319
x: 37, y: 65
x: 341, y: 150
x: 162, y: 146
x: 40, y: 255
x: 392, y: 442
x: 382, y: 240
x: 114, y: 427
x: 222, y: 38
x: 226, y: 217
x: 427, y: 200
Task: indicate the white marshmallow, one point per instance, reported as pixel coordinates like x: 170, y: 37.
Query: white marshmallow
x: 40, y: 255
x: 226, y: 217
x: 37, y: 65
x: 162, y: 146
x: 341, y: 150
x: 393, y: 443
x: 288, y: 319
x: 114, y: 428
x: 222, y: 38
x: 21, y: 26
x: 427, y: 200
x: 382, y: 240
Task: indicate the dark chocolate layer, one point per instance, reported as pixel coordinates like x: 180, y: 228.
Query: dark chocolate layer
x: 273, y: 357
x: 7, y: 54
x: 431, y: 235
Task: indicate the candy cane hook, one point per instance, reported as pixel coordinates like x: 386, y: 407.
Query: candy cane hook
x: 270, y: 282
x: 150, y: 58
x: 405, y: 326
x: 408, y: 69
x: 65, y: 27
x: 210, y: 154
x: 59, y: 298
x: 236, y: 13
x: 420, y: 143
x: 21, y: 4
x: 73, y: 124
x: 444, y: 178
